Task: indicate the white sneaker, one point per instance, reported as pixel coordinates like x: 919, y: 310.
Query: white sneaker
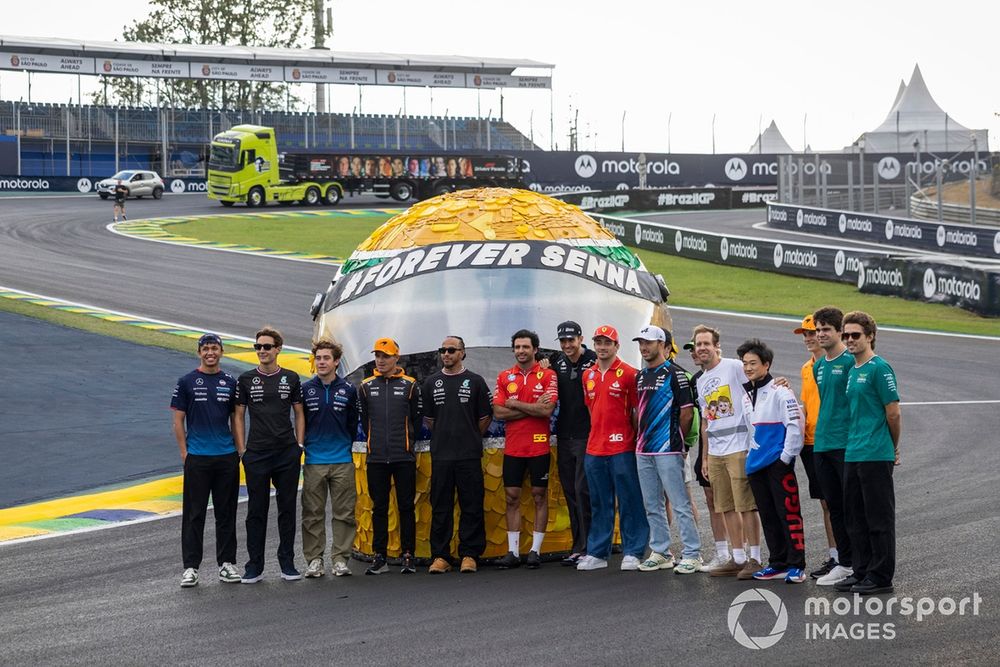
x: 189, y: 578
x: 688, y: 566
x: 630, y: 564
x: 654, y: 562
x: 340, y: 569
x: 229, y: 574
x: 715, y: 562
x: 589, y: 562
x: 835, y: 576
x: 315, y: 568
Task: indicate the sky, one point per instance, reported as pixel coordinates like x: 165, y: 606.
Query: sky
x: 824, y: 72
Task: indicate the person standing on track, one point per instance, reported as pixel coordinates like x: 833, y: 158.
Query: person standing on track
x: 120, y: 195
x: 832, y: 423
x: 809, y: 399
x: 715, y: 519
x: 572, y: 431
x: 610, y: 394
x: 872, y: 452
x: 272, y: 452
x: 457, y: 410
x: 331, y: 414
x: 665, y: 413
x: 203, y: 417
x: 390, y: 413
x: 727, y: 437
x: 525, y: 397
x: 775, y: 440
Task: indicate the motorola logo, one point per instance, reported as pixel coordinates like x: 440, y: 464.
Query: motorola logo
x: 678, y: 241
x: 586, y: 166
x: 888, y: 168
x: 842, y: 223
x: 798, y: 218
x: 723, y: 248
x: 779, y: 253
x: 930, y: 283
x: 736, y: 169
x: 638, y: 234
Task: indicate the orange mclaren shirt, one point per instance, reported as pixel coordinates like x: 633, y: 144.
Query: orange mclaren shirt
x: 810, y: 401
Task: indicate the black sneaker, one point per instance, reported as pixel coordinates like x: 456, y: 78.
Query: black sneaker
x: 845, y: 585
x: 378, y: 566
x: 869, y: 587
x: 251, y: 575
x: 533, y: 561
x: 825, y: 569
x: 571, y: 560
x: 408, y: 566
x: 290, y: 573
x: 509, y: 561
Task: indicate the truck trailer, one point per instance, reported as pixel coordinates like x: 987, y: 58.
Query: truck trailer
x: 245, y: 166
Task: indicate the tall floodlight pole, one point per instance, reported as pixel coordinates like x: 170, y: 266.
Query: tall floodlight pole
x: 972, y: 179
x: 670, y: 117
x: 713, y: 134
x: 623, y: 130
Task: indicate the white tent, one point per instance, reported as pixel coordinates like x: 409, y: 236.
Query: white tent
x: 916, y: 117
x: 771, y: 141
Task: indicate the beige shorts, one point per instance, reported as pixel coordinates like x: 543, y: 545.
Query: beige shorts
x: 728, y: 477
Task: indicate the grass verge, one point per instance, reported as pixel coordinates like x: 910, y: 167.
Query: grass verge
x: 692, y: 283
x: 124, y: 332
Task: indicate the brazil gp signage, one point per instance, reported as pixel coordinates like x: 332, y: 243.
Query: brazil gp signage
x: 964, y: 240
x: 671, y: 199
x: 971, y: 288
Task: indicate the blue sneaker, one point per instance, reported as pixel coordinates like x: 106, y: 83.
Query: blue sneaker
x: 289, y: 573
x: 795, y: 576
x: 251, y: 575
x: 769, y: 573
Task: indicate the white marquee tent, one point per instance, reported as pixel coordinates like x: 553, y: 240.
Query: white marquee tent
x: 771, y: 141
x: 916, y: 117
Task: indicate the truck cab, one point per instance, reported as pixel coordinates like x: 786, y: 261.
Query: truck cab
x: 243, y: 165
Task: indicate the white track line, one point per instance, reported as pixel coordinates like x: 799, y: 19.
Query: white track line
x: 795, y: 320
x: 988, y: 402
x: 142, y: 317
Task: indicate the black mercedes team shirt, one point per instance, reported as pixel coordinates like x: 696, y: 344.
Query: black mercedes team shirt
x: 456, y: 403
x: 573, y: 419
x: 269, y: 399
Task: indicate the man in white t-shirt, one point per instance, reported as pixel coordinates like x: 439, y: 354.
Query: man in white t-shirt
x: 725, y: 432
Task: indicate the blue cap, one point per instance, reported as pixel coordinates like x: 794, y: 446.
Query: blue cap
x: 208, y: 339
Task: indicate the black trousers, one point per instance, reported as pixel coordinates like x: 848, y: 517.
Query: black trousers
x: 776, y: 491
x: 830, y: 474
x: 218, y: 476
x: 569, y: 461
x: 380, y: 479
x: 465, y: 478
x: 263, y: 468
x: 870, y: 499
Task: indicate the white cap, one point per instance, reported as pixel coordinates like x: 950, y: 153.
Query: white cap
x: 651, y: 332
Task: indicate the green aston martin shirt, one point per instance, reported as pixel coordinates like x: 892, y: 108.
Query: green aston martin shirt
x: 834, y: 413
x: 870, y: 387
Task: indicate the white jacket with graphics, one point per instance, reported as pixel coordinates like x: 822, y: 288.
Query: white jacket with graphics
x: 775, y: 423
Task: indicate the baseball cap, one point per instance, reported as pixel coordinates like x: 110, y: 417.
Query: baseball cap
x: 689, y: 345
x: 606, y: 331
x: 386, y: 346
x: 651, y: 332
x: 807, y: 325
x: 568, y: 329
x: 209, y: 339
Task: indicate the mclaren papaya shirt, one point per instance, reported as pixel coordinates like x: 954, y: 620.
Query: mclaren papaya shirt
x: 528, y: 436
x: 331, y: 420
x: 775, y: 422
x: 390, y: 410
x: 611, y: 398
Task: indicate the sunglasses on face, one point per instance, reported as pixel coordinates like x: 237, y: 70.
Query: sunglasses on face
x: 264, y: 346
x: 851, y: 335
x: 449, y: 350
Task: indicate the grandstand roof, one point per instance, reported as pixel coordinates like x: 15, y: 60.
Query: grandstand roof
x: 264, y: 55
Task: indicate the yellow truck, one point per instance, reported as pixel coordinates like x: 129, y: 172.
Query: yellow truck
x: 245, y: 166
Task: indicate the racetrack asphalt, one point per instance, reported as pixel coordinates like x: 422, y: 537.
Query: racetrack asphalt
x: 113, y: 597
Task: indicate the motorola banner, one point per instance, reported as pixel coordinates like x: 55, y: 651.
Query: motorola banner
x: 970, y: 288
x: 798, y: 259
x: 671, y: 199
x: 964, y: 240
x: 85, y: 184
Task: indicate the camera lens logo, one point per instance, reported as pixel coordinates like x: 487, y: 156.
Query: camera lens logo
x: 777, y: 608
x: 586, y: 166
x: 888, y: 168
x: 736, y: 169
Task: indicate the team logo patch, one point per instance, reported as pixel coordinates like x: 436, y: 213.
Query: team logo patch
x: 620, y: 372
x: 222, y: 383
x: 439, y: 383
x: 590, y: 385
x: 512, y: 388
x: 312, y: 392
x: 284, y: 380
x: 511, y: 377
x: 199, y: 382
x: 539, y: 374
x: 256, y: 380
x: 538, y: 386
x: 465, y: 383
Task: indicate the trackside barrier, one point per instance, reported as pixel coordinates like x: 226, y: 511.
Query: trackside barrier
x: 671, y: 199
x: 41, y: 184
